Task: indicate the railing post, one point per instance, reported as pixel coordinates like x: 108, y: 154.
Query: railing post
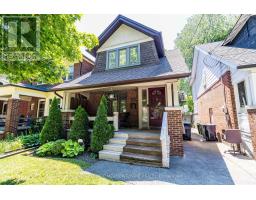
x: 115, y: 120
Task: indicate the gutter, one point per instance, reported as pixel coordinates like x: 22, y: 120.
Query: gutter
x: 55, y: 92
x: 246, y: 66
x: 183, y: 75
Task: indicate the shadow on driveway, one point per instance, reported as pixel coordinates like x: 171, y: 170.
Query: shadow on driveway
x: 201, y: 164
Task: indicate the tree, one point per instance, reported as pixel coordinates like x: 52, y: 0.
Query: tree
x: 202, y: 29
x: 53, y: 128
x: 80, y: 125
x: 102, y: 131
x: 60, y: 44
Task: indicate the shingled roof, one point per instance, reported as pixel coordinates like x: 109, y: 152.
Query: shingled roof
x: 171, y: 66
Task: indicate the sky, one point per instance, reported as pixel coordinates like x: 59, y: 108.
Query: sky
x: 169, y: 25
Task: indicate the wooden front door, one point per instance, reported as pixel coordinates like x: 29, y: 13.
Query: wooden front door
x: 156, y: 106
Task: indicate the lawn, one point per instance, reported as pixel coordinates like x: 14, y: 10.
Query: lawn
x: 24, y: 169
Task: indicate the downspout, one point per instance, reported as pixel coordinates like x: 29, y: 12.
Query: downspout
x: 58, y: 95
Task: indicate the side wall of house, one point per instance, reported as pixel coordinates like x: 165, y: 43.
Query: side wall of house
x: 213, y: 100
x: 82, y: 68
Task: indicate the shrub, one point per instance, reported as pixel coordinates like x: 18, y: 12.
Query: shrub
x: 52, y: 129
x: 71, y: 149
x: 57, y: 147
x: 79, y: 127
x: 51, y: 148
x: 102, y: 131
x: 30, y: 140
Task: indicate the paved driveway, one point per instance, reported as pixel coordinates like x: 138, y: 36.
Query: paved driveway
x: 203, y: 163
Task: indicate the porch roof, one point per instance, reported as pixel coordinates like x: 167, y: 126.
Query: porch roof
x: 171, y: 66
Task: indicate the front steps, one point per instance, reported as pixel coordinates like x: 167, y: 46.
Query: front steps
x: 135, y: 148
x: 113, y: 150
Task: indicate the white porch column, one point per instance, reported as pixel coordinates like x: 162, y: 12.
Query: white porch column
x: 66, y: 101
x: 175, y: 94
x: 169, y: 94
x: 46, y: 107
x: 115, y: 120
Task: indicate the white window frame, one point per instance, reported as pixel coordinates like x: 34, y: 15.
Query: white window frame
x: 117, y: 50
x: 40, y: 100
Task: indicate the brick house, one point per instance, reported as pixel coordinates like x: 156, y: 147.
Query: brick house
x: 224, y: 82
x: 139, y: 78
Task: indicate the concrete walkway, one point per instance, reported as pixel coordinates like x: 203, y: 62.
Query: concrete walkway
x: 203, y: 163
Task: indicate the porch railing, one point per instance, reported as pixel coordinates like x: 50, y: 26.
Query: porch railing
x: 113, y: 119
x: 165, y: 142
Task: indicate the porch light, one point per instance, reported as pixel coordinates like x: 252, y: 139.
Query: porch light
x: 111, y: 96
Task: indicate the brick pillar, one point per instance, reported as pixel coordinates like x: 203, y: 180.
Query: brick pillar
x: 175, y: 130
x: 252, y: 123
x: 12, y: 117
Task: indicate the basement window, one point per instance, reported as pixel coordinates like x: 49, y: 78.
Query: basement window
x: 242, y: 94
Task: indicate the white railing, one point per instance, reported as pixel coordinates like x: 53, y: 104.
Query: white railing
x: 113, y: 119
x: 165, y: 142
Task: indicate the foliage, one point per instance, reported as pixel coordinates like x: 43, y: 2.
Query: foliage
x: 190, y: 103
x: 102, y: 131
x: 29, y: 140
x: 51, y: 148
x: 60, y: 44
x: 71, y: 149
x: 202, y: 29
x: 10, y: 145
x: 52, y: 129
x: 79, y: 127
x: 32, y: 170
x: 9, y: 136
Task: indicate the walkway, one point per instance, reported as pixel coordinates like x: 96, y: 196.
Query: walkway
x: 203, y: 163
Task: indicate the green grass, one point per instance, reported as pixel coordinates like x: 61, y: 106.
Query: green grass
x: 22, y: 169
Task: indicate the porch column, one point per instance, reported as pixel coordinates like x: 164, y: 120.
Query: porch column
x: 169, y: 93
x: 140, y: 106
x: 66, y: 101
x: 12, y: 117
x: 252, y: 122
x: 175, y: 94
x: 175, y: 130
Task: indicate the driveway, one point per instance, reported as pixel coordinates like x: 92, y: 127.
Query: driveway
x: 203, y: 163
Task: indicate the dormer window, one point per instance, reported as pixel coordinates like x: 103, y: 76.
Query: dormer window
x: 123, y: 57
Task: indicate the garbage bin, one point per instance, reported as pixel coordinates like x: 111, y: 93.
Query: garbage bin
x: 187, y: 134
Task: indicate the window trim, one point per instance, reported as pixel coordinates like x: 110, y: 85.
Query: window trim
x: 117, y: 50
x: 245, y: 90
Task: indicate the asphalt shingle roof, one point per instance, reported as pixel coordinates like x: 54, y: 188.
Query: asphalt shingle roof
x: 173, y: 65
x: 237, y: 56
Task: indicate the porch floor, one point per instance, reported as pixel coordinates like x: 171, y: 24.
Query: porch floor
x: 138, y: 131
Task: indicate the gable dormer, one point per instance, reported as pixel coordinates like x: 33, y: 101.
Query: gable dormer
x: 126, y: 43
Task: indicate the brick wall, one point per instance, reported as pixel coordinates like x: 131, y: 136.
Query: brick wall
x: 12, y: 116
x: 175, y: 130
x: 82, y: 68
x: 148, y: 56
x: 214, y: 98
x: 252, y: 123
x: 132, y: 107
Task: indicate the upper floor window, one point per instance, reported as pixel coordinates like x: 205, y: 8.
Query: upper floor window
x: 242, y: 94
x: 123, y: 57
x: 70, y: 74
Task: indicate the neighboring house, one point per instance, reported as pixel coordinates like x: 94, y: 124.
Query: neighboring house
x: 139, y: 78
x: 32, y: 97
x: 224, y: 82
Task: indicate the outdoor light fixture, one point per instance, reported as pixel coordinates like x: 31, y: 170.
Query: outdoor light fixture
x: 111, y: 96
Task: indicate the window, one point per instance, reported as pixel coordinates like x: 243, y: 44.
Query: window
x: 134, y: 55
x: 112, y: 59
x: 123, y: 57
x: 41, y: 108
x: 4, y: 108
x: 242, y: 94
x: 70, y: 74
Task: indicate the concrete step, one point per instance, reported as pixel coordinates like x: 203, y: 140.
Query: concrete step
x: 114, y: 147
x: 117, y: 140
x: 143, y: 142
x: 157, y: 151
x: 109, y: 155
x: 135, y: 158
x: 120, y: 135
x: 145, y: 136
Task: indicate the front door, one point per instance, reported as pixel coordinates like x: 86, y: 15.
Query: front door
x: 156, y: 106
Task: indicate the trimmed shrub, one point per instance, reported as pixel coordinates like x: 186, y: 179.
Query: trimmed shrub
x: 52, y: 129
x: 57, y: 147
x: 79, y: 127
x: 71, y: 149
x: 102, y: 131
